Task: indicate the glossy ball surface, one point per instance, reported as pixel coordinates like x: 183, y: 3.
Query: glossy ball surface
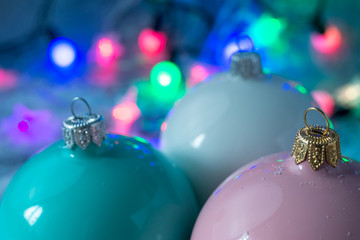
x: 273, y: 198
x: 124, y: 189
x: 224, y: 123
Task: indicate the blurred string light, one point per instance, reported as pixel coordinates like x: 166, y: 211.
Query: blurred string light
x: 126, y: 112
x: 152, y: 42
x: 107, y: 51
x: 166, y: 77
x: 329, y: 42
x: 23, y: 126
x: 266, y: 30
x: 348, y: 96
x: 241, y: 43
x: 8, y: 79
x: 62, y: 53
x: 325, y: 101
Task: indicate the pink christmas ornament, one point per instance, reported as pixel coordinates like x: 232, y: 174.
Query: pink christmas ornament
x: 275, y: 198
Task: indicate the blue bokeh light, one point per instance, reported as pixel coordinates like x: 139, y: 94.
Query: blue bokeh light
x: 62, y: 53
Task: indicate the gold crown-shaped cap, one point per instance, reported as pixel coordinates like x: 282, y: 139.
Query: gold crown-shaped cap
x: 316, y: 144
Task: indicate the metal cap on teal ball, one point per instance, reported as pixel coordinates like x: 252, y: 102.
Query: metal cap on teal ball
x: 97, y: 186
x: 83, y: 129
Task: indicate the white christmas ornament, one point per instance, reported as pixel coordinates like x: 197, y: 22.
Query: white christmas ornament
x: 242, y: 114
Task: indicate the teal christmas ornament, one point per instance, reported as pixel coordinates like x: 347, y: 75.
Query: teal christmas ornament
x: 97, y: 186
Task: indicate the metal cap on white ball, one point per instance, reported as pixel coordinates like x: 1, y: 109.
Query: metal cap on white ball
x: 246, y: 65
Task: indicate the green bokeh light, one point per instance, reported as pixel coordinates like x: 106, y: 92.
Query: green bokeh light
x: 165, y: 76
x: 265, y: 32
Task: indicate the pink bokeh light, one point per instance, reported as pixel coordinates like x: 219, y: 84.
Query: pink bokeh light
x: 125, y: 113
x: 8, y: 79
x: 152, y: 42
x: 107, y: 51
x: 325, y: 101
x: 329, y: 42
x: 198, y: 73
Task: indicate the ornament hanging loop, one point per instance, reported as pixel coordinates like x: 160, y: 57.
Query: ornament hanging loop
x: 84, y: 129
x: 323, y: 114
x: 317, y: 144
x: 84, y: 101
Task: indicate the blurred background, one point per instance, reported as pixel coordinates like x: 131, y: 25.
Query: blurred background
x: 132, y: 60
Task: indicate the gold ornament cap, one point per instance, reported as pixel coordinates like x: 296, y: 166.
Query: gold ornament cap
x: 317, y: 144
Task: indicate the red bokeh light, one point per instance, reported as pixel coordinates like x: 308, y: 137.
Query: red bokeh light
x: 329, y: 42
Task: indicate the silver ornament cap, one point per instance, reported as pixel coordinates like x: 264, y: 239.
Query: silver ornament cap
x: 247, y: 65
x: 83, y: 129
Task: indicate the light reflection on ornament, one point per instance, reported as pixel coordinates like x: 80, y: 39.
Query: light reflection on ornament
x: 216, y: 193
x: 196, y: 143
x: 140, y: 139
x: 286, y: 86
x: 238, y: 176
x: 252, y: 167
x: 301, y: 89
x: 62, y: 52
x: 151, y: 42
x: 325, y: 101
x: 32, y: 214
x: 329, y: 42
x: 294, y: 87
